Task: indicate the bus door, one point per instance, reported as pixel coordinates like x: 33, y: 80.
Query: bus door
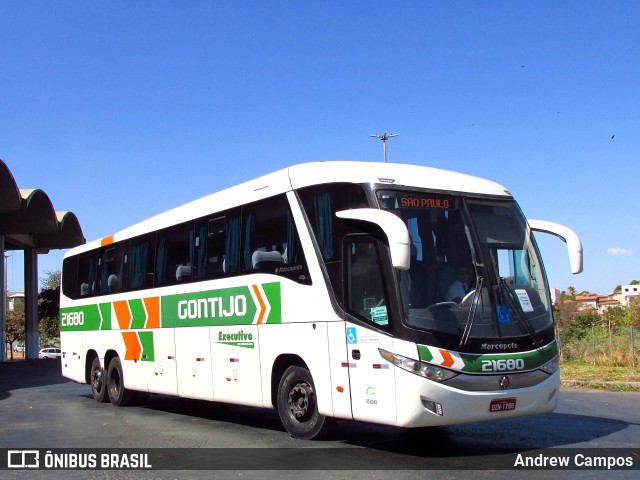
x: 372, y: 382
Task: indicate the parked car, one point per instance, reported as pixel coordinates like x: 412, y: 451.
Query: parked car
x: 18, y: 348
x: 50, y: 352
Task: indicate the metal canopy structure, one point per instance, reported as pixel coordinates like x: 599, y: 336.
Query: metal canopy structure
x: 29, y: 222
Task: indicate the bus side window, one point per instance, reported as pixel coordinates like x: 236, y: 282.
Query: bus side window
x: 364, y: 283
x: 174, y: 255
x: 110, y: 269
x: 139, y: 272
x: 70, y: 277
x: 320, y: 202
x: 87, y: 274
x: 270, y: 242
x: 217, y: 245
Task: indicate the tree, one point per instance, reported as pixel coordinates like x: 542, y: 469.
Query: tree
x: 615, y: 318
x: 579, y: 326
x: 49, y: 305
x: 565, y: 311
x: 14, y: 326
x: 564, y: 296
x: 51, y: 280
x: 572, y: 291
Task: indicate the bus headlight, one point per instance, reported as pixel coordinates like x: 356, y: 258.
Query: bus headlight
x: 423, y: 369
x: 552, y: 365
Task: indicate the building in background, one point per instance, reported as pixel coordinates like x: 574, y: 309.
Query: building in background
x: 628, y: 293
x: 555, y: 296
x: 14, y: 298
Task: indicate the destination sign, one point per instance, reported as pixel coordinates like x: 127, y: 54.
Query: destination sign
x: 425, y: 202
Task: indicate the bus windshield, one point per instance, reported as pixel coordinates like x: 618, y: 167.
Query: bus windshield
x: 475, y: 271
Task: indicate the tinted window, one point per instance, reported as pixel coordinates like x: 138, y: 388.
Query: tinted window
x: 139, y: 271
x: 70, y: 277
x: 87, y: 274
x: 260, y: 237
x: 270, y: 242
x: 321, y: 204
x: 110, y: 269
x: 217, y: 245
x: 174, y: 255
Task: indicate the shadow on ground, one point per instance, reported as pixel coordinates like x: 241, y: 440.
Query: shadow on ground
x: 19, y: 374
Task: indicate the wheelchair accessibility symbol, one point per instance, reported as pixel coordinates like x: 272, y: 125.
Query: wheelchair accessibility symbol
x: 503, y: 314
x: 352, y: 337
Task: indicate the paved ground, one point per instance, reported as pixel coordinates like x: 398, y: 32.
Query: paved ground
x: 41, y: 409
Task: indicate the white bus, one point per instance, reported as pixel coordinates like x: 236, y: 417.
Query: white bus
x: 386, y: 293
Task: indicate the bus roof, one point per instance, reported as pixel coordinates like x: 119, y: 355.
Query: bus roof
x: 304, y: 175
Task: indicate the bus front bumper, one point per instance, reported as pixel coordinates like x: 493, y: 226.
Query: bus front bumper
x: 425, y: 403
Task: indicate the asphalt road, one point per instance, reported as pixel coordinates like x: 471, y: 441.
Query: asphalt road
x: 39, y: 409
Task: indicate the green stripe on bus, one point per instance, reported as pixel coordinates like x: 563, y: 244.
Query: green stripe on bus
x: 242, y: 305
x: 272, y: 291
x: 229, y: 306
x: 138, y: 313
x: 493, y: 362
x: 146, y: 340
x: 424, y: 353
x: 105, y: 312
x: 82, y: 318
x: 531, y: 360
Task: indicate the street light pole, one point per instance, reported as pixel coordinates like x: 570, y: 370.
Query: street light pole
x: 384, y: 137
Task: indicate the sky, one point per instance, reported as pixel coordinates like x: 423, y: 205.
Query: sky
x: 121, y: 110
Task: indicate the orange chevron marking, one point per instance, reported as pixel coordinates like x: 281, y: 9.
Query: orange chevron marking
x: 123, y: 314
x: 263, y: 307
x: 106, y: 241
x: 447, y: 358
x: 132, y: 343
x: 152, y: 304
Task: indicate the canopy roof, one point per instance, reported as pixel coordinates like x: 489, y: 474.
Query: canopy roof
x: 28, y: 219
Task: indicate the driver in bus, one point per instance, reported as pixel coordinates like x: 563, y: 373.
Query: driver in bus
x: 461, y: 286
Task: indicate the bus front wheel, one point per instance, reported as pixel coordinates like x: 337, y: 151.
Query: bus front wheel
x: 298, y: 405
x: 118, y: 394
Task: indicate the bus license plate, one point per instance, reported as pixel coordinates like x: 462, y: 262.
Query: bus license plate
x: 502, y: 404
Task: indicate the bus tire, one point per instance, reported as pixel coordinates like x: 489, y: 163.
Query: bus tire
x: 118, y: 394
x: 98, y: 383
x: 298, y: 405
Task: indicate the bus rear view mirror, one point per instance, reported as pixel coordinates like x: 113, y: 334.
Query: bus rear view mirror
x: 574, y: 246
x: 393, y: 227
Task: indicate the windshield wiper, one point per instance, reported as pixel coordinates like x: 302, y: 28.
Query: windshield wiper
x: 514, y: 305
x: 472, y: 312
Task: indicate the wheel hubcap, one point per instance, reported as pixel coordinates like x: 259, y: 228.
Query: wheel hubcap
x: 96, y: 379
x: 114, y: 386
x: 300, y: 401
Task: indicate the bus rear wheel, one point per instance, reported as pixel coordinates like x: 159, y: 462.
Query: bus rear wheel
x: 118, y: 394
x: 298, y: 405
x: 98, y: 384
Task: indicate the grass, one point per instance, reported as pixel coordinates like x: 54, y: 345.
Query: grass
x: 581, y: 374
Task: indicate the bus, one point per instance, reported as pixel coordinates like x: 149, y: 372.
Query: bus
x: 377, y: 292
